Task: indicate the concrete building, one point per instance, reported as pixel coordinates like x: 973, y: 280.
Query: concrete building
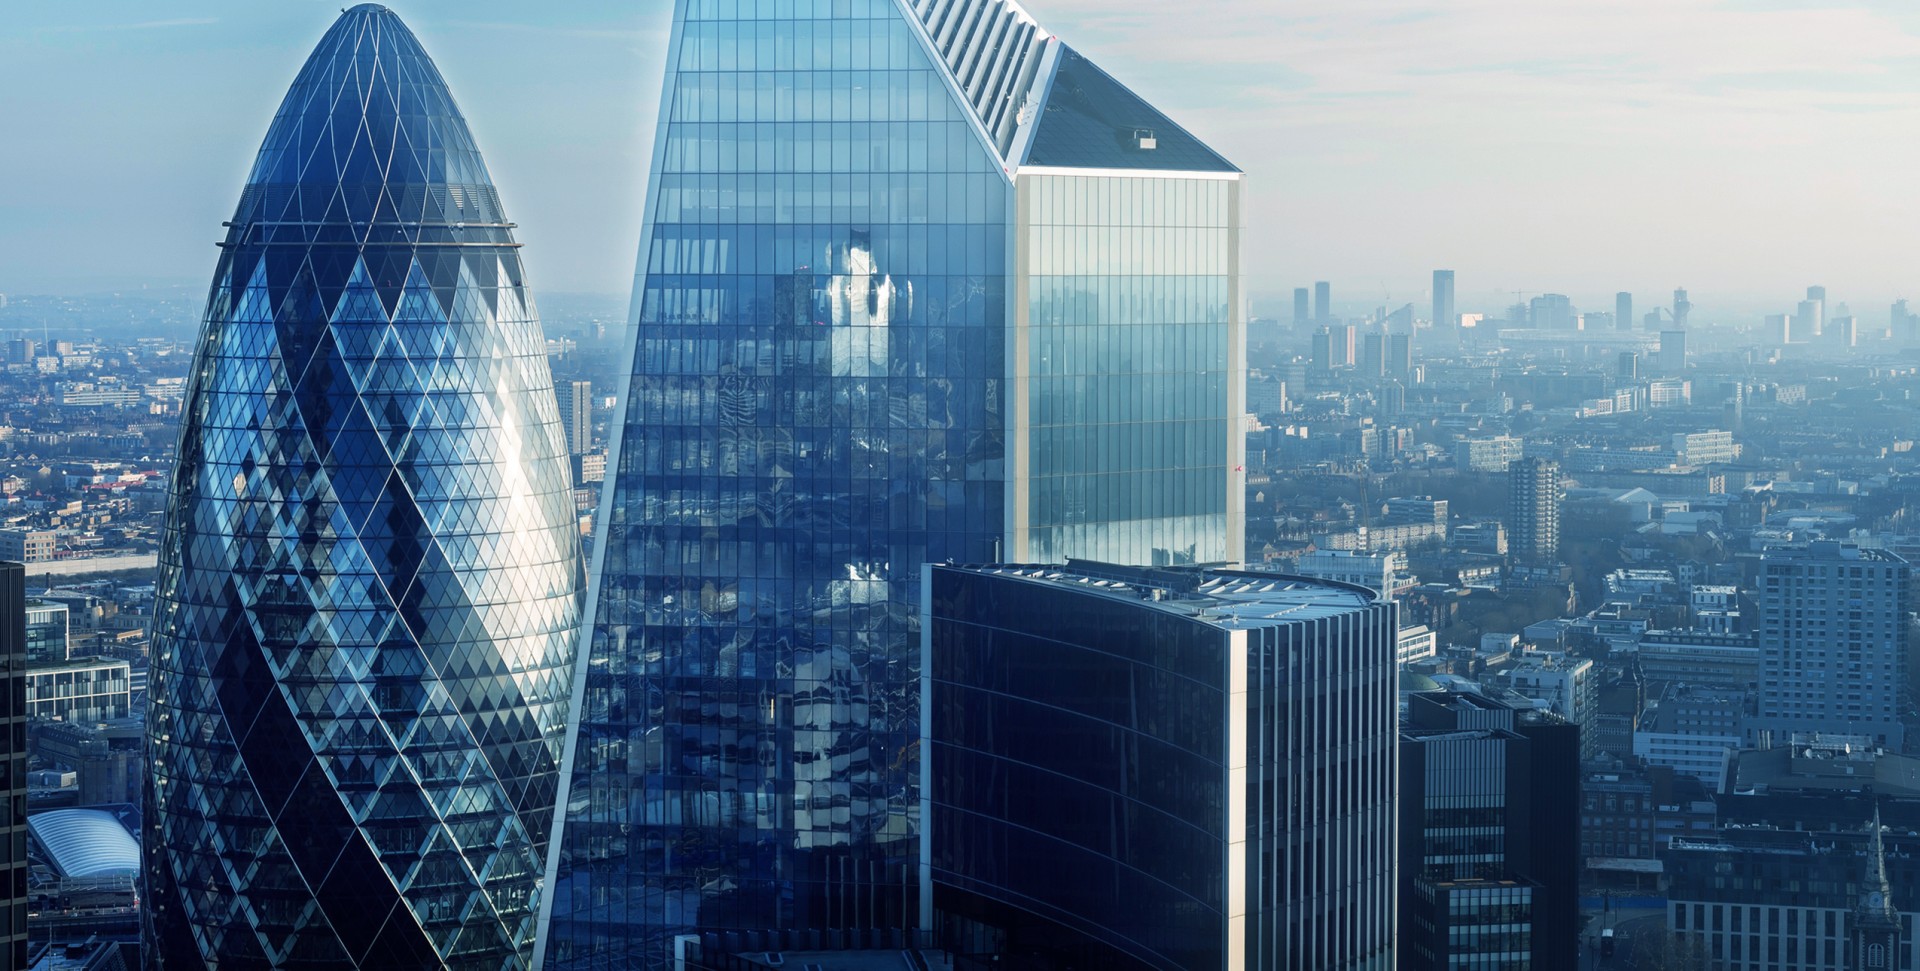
x: 1375, y: 571
x: 1533, y: 511
x: 80, y: 690
x: 1833, y: 637
x: 1412, y: 510
x: 28, y: 545
x: 1693, y: 729
x: 1493, y: 454
x: 1416, y: 643
x: 1567, y: 686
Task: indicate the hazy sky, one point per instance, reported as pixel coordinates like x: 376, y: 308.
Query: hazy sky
x: 1741, y: 148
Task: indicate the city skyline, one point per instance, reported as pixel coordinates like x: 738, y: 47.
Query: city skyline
x: 1515, y: 171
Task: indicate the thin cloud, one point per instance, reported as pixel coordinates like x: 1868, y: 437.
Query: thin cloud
x: 140, y: 25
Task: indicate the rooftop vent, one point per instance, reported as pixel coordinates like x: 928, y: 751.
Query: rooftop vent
x: 1144, y: 141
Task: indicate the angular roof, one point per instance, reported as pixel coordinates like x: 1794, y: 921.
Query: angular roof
x: 1015, y: 77
x: 85, y: 842
x: 1089, y: 120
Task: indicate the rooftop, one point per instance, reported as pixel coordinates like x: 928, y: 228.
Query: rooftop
x: 85, y: 842
x: 1230, y: 600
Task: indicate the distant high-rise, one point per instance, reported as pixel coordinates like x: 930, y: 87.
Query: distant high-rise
x: 1444, y: 321
x: 974, y: 252
x: 576, y: 414
x: 1682, y: 309
x: 1302, y: 305
x: 1844, y: 331
x: 1373, y: 354
x: 1810, y: 320
x: 1489, y: 836
x: 1169, y: 824
x: 1673, y: 353
x: 1903, y: 325
x: 1323, y: 302
x: 1628, y: 368
x: 367, y: 602
x: 13, y: 750
x: 1399, y: 361
x: 1551, y: 311
x: 1833, y: 641
x: 1623, y: 310
x: 1533, y: 510
x: 1322, y: 355
x: 1779, y: 329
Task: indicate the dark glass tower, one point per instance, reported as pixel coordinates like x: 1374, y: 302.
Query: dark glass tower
x: 918, y: 283
x: 1150, y: 770
x: 369, y: 589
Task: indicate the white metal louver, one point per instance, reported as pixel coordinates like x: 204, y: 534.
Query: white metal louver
x: 994, y: 50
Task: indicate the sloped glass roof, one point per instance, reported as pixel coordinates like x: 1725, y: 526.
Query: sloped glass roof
x: 1092, y: 121
x: 85, y: 842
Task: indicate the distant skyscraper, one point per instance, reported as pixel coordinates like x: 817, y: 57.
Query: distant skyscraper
x: 1810, y: 321
x: 1444, y: 321
x: 576, y: 414
x: 1469, y: 764
x: 1322, y: 360
x: 368, y: 594
x: 1682, y: 309
x: 1673, y: 353
x: 979, y: 253
x: 1533, y: 510
x: 1551, y: 311
x: 1373, y: 354
x: 1629, y: 366
x: 1833, y: 641
x: 1302, y: 306
x: 1903, y: 325
x: 1399, y: 356
x: 1323, y: 302
x: 1623, y: 310
x: 1779, y: 329
x: 13, y: 750
x: 1216, y: 850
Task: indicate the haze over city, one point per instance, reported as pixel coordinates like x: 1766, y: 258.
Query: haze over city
x: 1740, y: 149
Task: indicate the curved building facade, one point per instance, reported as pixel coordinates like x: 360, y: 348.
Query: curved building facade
x: 369, y: 588
x: 1158, y: 770
x: 918, y: 283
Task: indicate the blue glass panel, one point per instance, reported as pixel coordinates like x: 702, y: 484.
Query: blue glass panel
x: 368, y: 597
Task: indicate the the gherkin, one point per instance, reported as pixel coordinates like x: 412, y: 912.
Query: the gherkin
x: 369, y: 588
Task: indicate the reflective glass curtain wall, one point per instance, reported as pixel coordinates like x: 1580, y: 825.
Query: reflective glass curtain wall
x: 367, y: 604
x: 834, y: 382
x: 814, y: 411
x: 1130, y: 340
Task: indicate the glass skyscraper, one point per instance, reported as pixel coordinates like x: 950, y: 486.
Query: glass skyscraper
x: 369, y: 590
x: 1158, y: 769
x: 918, y: 283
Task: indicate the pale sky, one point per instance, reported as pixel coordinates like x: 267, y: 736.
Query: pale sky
x: 1741, y: 149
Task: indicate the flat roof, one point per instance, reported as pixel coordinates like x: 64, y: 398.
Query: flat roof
x: 1230, y: 600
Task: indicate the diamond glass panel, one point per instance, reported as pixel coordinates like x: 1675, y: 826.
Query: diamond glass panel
x: 369, y: 590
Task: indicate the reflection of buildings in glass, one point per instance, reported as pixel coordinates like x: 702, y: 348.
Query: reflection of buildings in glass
x: 898, y: 304
x: 367, y: 602
x: 1103, y: 784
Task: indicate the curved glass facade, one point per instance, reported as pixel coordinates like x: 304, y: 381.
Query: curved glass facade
x: 833, y: 383
x: 369, y: 589
x: 1160, y: 769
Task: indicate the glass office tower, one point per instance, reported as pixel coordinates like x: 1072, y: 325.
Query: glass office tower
x: 368, y: 595
x: 1158, y: 769
x: 918, y: 283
